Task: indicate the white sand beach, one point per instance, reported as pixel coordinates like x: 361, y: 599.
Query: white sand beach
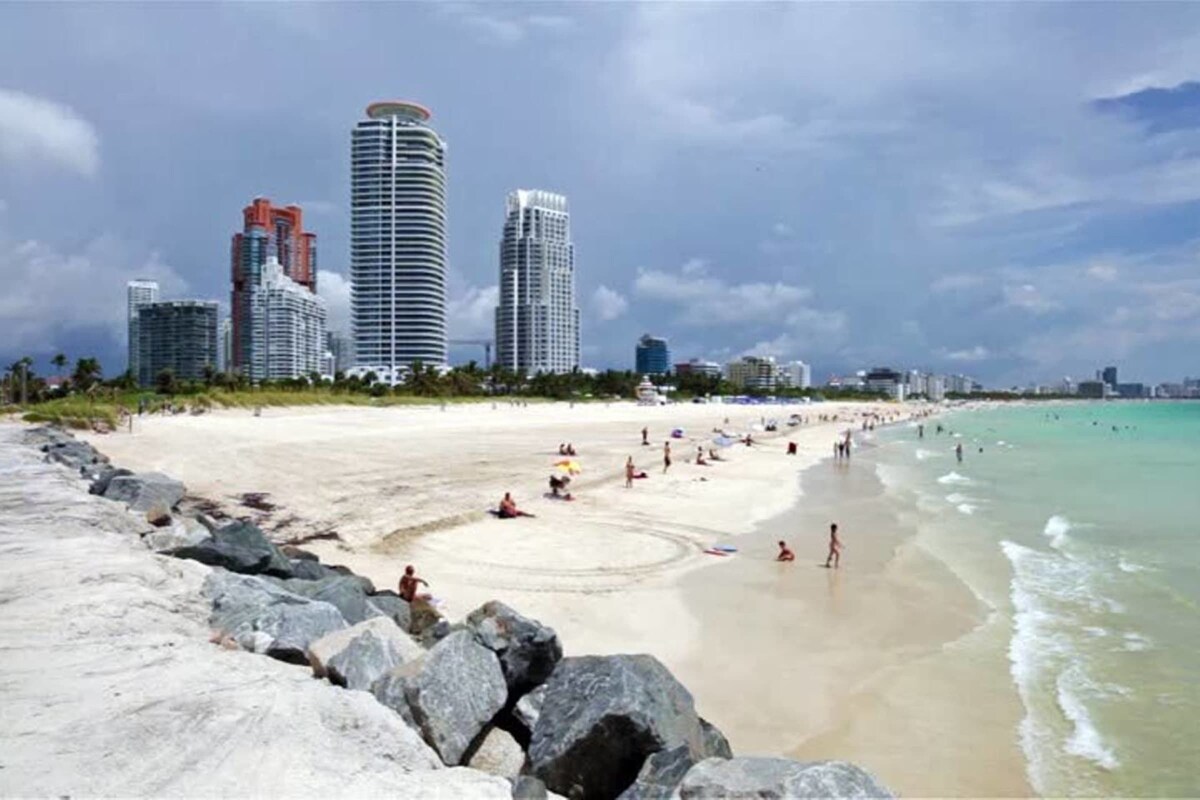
x: 860, y: 664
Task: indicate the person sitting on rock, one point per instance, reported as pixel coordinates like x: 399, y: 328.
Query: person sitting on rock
x: 408, y: 585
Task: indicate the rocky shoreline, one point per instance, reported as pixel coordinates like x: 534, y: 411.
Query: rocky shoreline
x: 492, y: 693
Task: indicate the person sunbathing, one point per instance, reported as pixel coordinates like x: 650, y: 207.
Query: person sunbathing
x: 509, y: 510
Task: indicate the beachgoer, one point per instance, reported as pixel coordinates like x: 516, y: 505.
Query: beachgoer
x: 784, y: 553
x: 712, y: 455
x: 791, y: 448
x: 629, y: 470
x: 645, y: 437
x: 408, y: 585
x: 509, y: 510
x: 557, y: 485
x: 570, y: 449
x: 666, y: 456
x: 562, y: 449
x: 958, y: 452
x: 835, y: 547
x: 700, y: 457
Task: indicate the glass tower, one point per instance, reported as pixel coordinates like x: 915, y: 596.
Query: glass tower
x: 397, y: 239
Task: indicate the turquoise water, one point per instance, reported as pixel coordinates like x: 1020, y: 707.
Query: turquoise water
x: 1081, y: 523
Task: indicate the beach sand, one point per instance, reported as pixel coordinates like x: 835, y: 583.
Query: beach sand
x: 889, y: 662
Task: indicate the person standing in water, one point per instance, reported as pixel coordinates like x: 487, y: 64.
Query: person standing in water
x: 835, y: 547
x: 958, y: 452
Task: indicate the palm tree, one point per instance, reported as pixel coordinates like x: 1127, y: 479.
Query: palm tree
x: 59, y: 361
x: 87, y: 373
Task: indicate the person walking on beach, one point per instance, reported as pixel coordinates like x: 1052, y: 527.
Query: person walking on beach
x: 629, y: 470
x: 835, y: 547
x: 785, y: 554
x: 666, y: 456
x: 408, y: 585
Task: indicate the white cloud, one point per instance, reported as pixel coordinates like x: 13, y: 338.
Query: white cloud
x: 472, y: 315
x: 1026, y: 296
x: 504, y: 29
x: 335, y: 288
x: 35, y: 130
x: 970, y: 355
x: 608, y: 303
x: 1105, y: 273
x: 708, y: 300
x: 48, y: 292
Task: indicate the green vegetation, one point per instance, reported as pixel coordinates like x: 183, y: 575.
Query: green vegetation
x: 85, y: 399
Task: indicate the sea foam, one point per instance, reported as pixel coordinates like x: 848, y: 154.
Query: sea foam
x: 1056, y: 530
x: 953, y: 478
x: 1085, y: 740
x: 966, y: 508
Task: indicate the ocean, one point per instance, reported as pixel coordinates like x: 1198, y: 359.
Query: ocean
x: 1080, y: 524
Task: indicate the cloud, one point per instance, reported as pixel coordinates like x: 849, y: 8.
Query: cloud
x: 472, y: 315
x: 49, y: 293
x: 1106, y: 273
x: 34, y: 130
x: 335, y: 288
x: 608, y: 303
x: 956, y: 282
x: 501, y: 29
x: 970, y: 355
x: 708, y: 300
x: 1027, y: 297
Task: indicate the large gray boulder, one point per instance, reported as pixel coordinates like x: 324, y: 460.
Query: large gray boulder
x: 182, y: 532
x: 782, y: 778
x: 309, y: 570
x: 527, y: 649
x: 104, y: 475
x: 74, y: 454
x: 661, y: 773
x: 497, y: 753
x: 600, y: 719
x: 450, y: 694
x: 715, y: 743
x: 145, y: 490
x: 239, y: 547
x: 529, y: 708
x: 345, y: 592
x: 264, y: 618
x: 361, y: 654
x: 392, y: 605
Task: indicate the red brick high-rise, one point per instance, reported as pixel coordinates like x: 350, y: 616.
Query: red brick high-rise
x: 266, y: 231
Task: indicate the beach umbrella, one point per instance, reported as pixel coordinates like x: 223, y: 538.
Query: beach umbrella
x: 724, y: 441
x: 570, y: 467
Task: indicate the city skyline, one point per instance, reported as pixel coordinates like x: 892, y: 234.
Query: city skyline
x: 809, y: 209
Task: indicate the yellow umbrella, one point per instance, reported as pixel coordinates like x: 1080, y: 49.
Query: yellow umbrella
x: 571, y: 467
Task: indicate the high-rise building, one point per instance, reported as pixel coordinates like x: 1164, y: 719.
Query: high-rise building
x: 1109, y: 378
x: 267, y: 232
x: 179, y: 335
x: 795, y: 375
x: 537, y: 320
x: 652, y: 356
x: 397, y: 238
x: 752, y: 372
x: 288, y: 327
x: 139, y: 293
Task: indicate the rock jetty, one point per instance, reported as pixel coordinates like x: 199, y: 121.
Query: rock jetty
x: 481, y: 708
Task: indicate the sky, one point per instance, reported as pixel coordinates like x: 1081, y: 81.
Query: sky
x: 1010, y: 191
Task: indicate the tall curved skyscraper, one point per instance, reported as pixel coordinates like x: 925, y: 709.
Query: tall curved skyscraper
x: 397, y: 238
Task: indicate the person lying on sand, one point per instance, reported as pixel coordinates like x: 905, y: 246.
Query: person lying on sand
x: 408, y: 585
x: 784, y: 553
x: 509, y: 510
